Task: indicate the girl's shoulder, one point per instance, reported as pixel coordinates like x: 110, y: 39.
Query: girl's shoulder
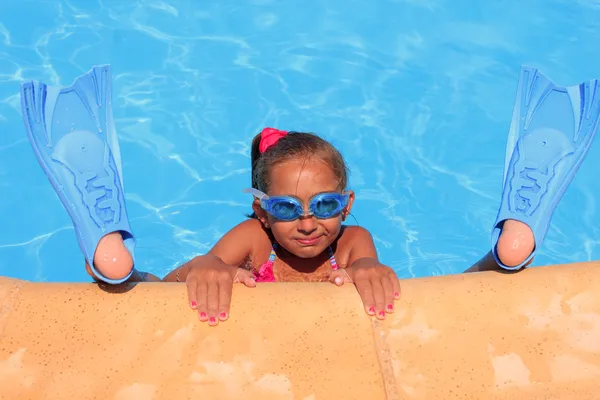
x: 253, y: 232
x: 251, y: 225
x: 352, y: 240
x: 242, y: 243
x: 259, y: 240
x: 352, y: 234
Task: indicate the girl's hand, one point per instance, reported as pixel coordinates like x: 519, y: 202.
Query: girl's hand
x: 209, y: 284
x: 376, y: 283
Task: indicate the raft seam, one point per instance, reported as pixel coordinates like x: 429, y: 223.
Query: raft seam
x: 385, y: 360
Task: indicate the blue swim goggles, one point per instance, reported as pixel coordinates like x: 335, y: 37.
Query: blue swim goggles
x: 288, y: 208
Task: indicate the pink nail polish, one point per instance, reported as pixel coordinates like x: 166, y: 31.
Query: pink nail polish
x: 213, y: 319
x: 223, y: 315
x: 396, y: 294
x: 382, y: 313
x: 372, y: 310
x: 194, y: 304
x: 390, y: 307
x: 203, y: 315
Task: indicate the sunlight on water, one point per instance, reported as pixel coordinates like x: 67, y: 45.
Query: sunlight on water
x: 418, y: 95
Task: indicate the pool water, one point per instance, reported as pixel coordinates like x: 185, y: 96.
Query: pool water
x: 417, y: 94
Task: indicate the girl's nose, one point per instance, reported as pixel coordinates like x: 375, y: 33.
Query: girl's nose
x: 307, y: 224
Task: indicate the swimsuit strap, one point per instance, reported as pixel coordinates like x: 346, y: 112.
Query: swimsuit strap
x: 273, y: 255
x: 332, y: 261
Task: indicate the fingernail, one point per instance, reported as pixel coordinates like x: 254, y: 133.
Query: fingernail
x: 213, y: 319
x: 371, y: 310
x: 381, y: 313
x: 396, y: 294
x: 338, y: 280
x: 223, y: 315
x: 202, y: 314
x: 194, y: 304
x: 390, y: 307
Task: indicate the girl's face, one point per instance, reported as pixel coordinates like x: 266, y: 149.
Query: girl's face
x: 307, y: 236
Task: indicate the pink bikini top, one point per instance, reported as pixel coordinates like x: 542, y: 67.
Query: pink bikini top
x: 265, y: 273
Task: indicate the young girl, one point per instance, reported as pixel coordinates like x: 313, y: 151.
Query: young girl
x: 299, y: 184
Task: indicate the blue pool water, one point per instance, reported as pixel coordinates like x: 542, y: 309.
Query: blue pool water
x: 417, y: 94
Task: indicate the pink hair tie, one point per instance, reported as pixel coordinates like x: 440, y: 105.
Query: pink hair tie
x: 268, y: 137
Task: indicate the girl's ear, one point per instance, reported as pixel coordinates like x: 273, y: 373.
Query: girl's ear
x: 348, y: 207
x: 260, y: 213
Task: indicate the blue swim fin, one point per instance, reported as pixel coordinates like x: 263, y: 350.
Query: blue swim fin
x: 73, y: 136
x: 550, y: 134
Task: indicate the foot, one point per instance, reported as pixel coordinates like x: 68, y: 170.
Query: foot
x: 515, y: 244
x: 112, y: 259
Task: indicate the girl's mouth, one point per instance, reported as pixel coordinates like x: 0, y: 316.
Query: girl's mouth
x: 309, y: 241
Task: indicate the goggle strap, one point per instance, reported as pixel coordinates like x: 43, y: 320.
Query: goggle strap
x: 256, y: 193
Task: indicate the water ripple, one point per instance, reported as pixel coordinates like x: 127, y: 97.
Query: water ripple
x: 417, y: 94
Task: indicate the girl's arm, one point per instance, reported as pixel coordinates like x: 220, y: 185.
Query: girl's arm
x: 362, y: 247
x: 376, y: 283
x: 232, y: 249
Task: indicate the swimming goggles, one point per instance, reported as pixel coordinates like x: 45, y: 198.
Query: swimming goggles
x: 288, y: 208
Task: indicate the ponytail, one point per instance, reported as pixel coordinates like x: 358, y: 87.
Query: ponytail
x: 254, y: 156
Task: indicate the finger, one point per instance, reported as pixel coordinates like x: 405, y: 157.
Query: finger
x: 366, y: 294
x: 201, y: 298
x: 225, y: 288
x: 395, y: 284
x: 379, y: 297
x: 388, y: 293
x: 245, y: 277
x: 192, y: 287
x: 212, y: 300
x: 337, y: 278
x: 250, y: 281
